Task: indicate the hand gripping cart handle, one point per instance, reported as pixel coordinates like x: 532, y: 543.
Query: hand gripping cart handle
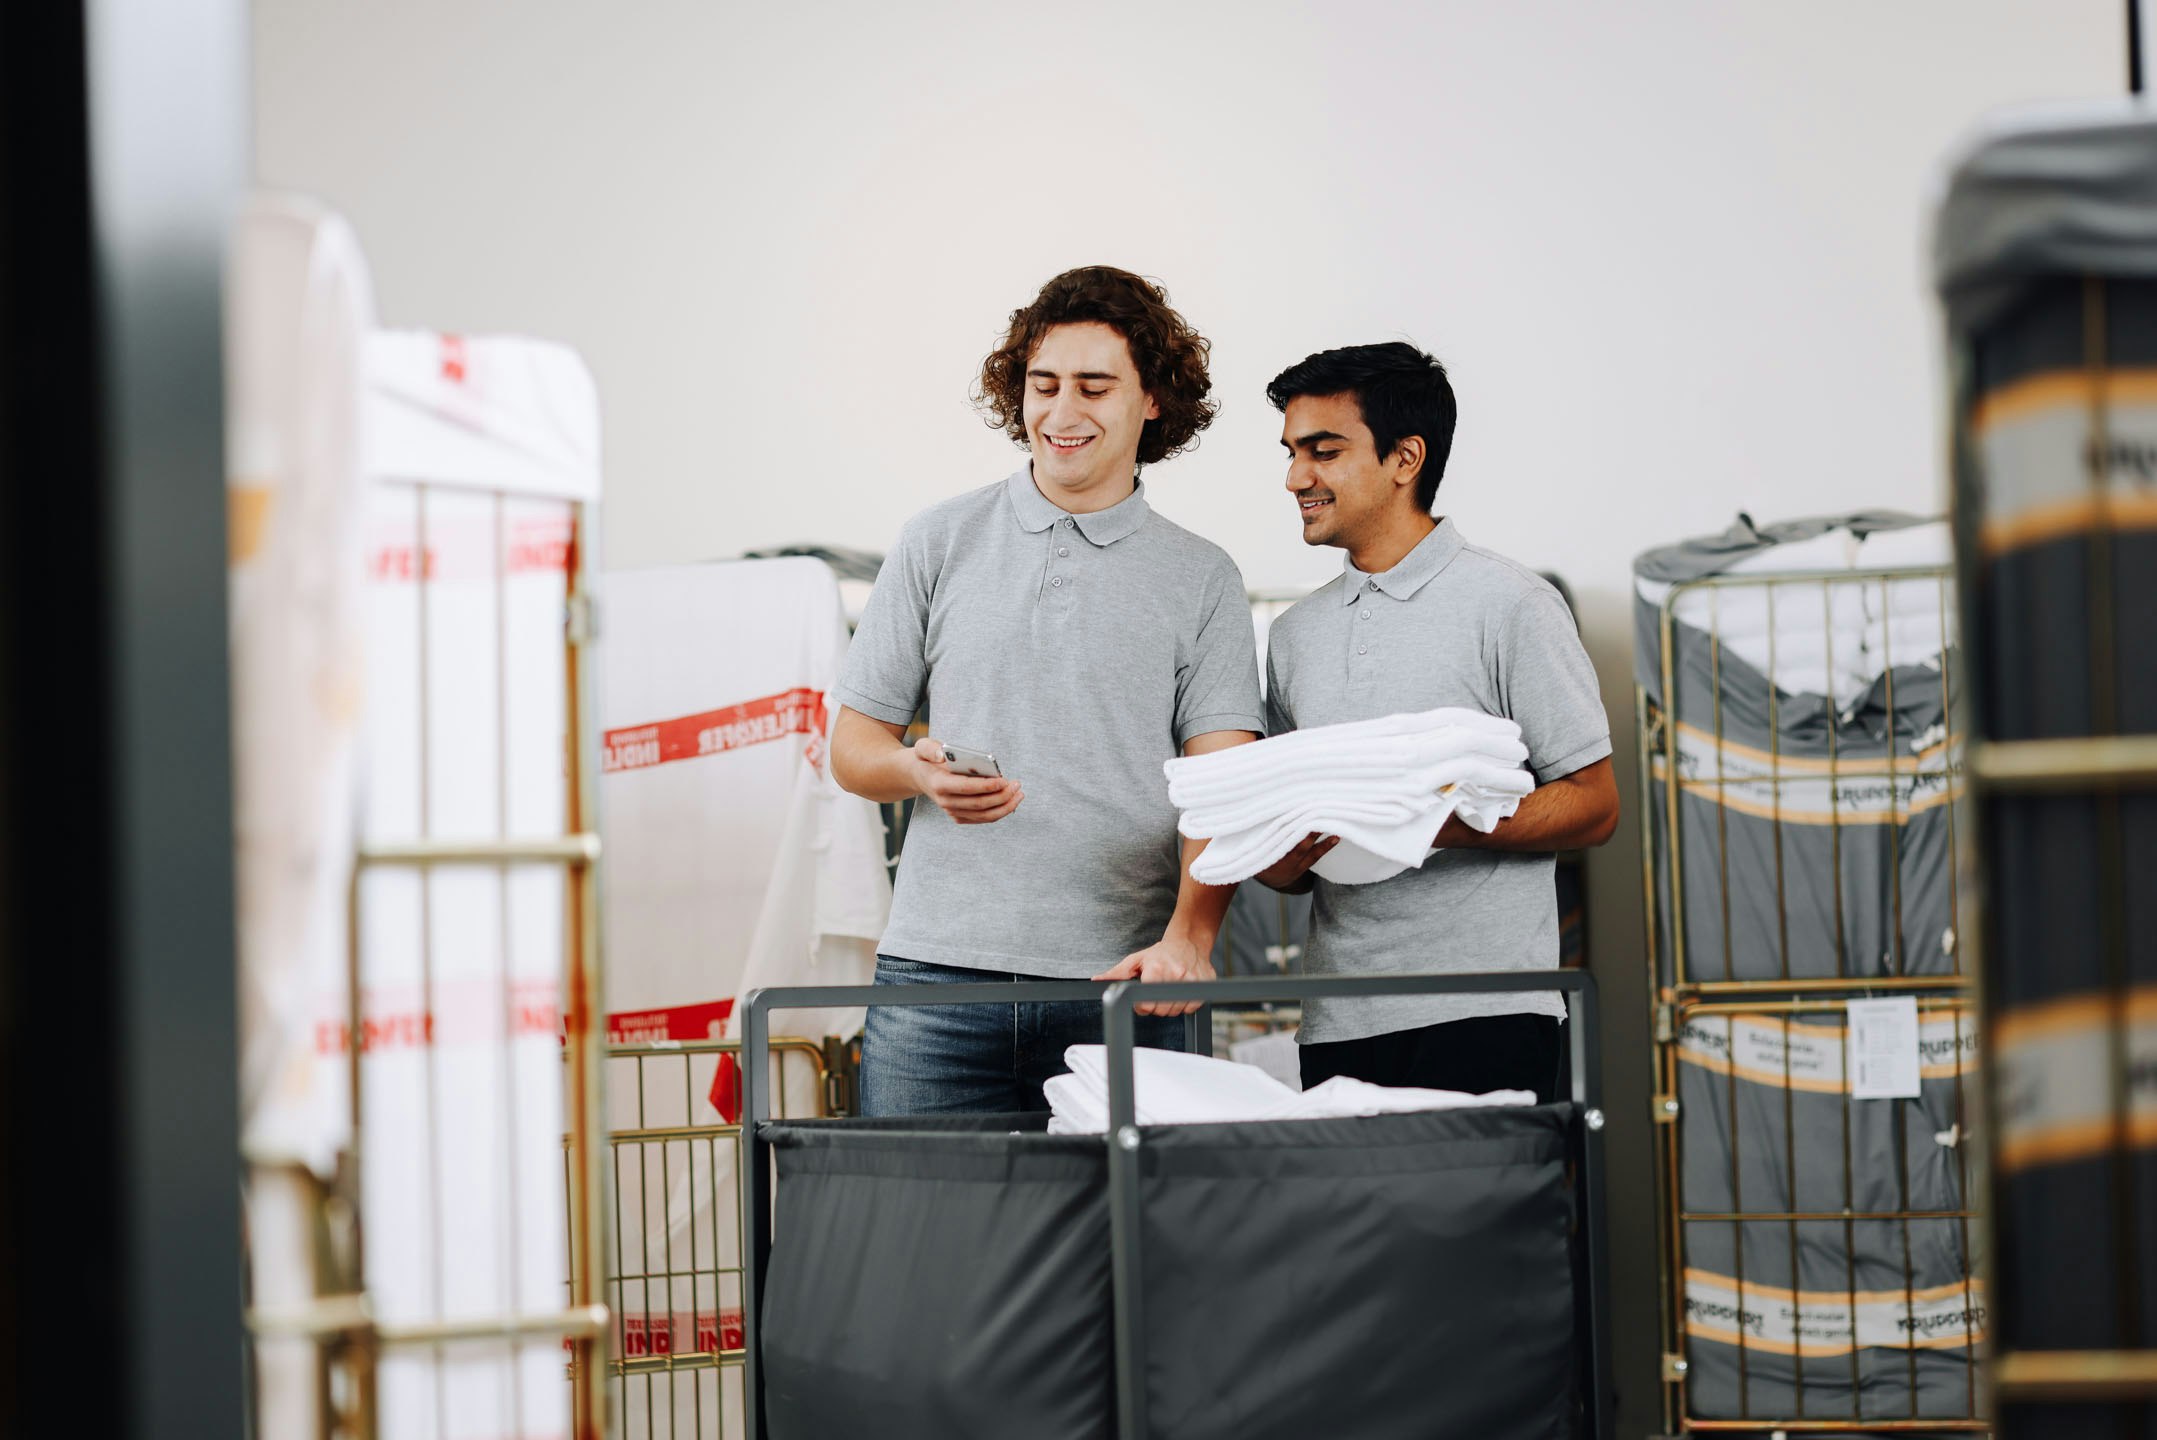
x: 1126, y: 1145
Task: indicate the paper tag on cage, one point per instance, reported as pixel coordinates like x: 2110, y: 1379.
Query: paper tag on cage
x: 1883, y: 1049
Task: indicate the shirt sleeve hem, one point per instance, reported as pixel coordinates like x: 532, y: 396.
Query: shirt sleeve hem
x: 1207, y: 724
x: 853, y: 699
x: 1580, y: 759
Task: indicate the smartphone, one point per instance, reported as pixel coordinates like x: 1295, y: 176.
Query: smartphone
x: 979, y: 763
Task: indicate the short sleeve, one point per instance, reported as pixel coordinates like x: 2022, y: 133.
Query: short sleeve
x: 1549, y: 688
x: 886, y: 674
x: 1217, y: 681
x: 1279, y: 720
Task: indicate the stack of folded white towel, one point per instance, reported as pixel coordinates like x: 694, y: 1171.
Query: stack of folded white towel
x: 1383, y: 786
x: 1177, y: 1089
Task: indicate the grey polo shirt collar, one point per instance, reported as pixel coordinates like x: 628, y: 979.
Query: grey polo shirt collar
x: 1416, y: 569
x: 1036, y: 512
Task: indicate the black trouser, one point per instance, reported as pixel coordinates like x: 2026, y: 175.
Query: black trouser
x: 1487, y: 1052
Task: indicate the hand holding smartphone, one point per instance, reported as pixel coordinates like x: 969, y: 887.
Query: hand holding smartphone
x: 968, y: 785
x: 980, y: 764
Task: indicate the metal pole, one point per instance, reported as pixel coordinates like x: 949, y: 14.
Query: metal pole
x: 2138, y: 38
x: 755, y: 1182
x: 585, y: 1029
x: 1117, y: 1026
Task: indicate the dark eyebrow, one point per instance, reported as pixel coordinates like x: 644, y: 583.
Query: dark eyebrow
x: 1305, y: 442
x: 1081, y: 375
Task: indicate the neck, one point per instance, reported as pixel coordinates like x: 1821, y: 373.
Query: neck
x: 1380, y: 553
x: 1121, y: 483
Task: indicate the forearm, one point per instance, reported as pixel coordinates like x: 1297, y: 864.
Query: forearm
x: 868, y: 760
x: 1199, y: 908
x: 1573, y: 812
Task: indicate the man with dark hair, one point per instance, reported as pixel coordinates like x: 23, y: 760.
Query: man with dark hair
x: 1054, y: 620
x: 1418, y: 619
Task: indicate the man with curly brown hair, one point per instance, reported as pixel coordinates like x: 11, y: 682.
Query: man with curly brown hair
x: 1053, y: 619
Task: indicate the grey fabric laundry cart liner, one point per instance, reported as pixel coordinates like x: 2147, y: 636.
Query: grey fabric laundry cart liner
x: 1873, y: 1317
x: 2045, y: 257
x: 1391, y: 1276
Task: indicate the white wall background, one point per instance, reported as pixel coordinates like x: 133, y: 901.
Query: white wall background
x: 1672, y: 251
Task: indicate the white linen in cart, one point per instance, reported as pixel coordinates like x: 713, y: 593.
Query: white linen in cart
x: 1830, y: 637
x: 1384, y: 786
x: 1176, y: 1089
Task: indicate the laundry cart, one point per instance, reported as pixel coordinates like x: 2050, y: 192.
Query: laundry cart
x: 1421, y: 1275
x: 1815, y: 1038
x: 2046, y: 261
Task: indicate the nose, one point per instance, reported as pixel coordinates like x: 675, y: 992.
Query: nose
x: 1064, y: 413
x: 1299, y: 478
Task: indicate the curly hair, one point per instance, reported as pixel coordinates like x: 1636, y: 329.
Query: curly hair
x: 1170, y: 355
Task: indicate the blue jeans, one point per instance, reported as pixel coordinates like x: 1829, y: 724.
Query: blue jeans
x: 943, y: 1059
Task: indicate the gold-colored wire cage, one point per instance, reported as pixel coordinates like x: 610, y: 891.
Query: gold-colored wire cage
x: 1684, y: 1002
x: 632, y: 1379
x: 676, y: 1284
x: 340, y: 1324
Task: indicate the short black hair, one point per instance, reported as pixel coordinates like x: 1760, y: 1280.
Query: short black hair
x: 1400, y: 390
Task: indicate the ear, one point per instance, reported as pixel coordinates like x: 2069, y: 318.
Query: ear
x: 1409, y: 456
x: 1153, y: 407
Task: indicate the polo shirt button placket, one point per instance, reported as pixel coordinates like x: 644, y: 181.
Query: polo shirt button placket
x: 1060, y: 552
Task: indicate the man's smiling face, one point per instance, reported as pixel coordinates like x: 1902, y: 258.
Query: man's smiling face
x: 1344, y: 490
x: 1085, y: 410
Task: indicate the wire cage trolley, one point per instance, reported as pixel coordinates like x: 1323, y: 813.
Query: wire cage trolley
x: 474, y: 963
x: 1800, y: 769
x: 1429, y: 1274
x: 673, y: 1245
x: 2046, y: 261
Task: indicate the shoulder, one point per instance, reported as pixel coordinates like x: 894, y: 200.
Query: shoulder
x: 1518, y: 612
x: 1503, y: 581
x: 957, y: 513
x: 932, y: 531
x: 1194, y: 550
x: 1306, y: 615
x: 1189, y: 564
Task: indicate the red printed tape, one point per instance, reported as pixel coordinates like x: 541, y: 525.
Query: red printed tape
x: 753, y: 722
x: 649, y: 1334
x: 681, y: 1022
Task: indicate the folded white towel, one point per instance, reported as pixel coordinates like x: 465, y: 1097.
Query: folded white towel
x: 1177, y: 1089
x: 1360, y: 796
x: 1412, y: 726
x: 1384, y: 786
x: 1372, y: 846
x: 1443, y: 758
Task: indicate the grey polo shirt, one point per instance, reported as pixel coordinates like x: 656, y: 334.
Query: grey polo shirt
x: 1083, y: 651
x: 1451, y: 624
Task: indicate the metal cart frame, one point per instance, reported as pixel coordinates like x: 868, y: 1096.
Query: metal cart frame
x: 341, y: 1321
x: 1125, y: 1138
x: 1673, y: 998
